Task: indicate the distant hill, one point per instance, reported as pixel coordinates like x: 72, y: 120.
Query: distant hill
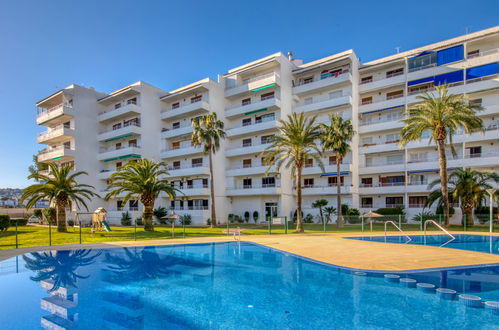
x: 10, y: 192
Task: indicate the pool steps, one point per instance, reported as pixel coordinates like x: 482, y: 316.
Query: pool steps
x: 467, y: 300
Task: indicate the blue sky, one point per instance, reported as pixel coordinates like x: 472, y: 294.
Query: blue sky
x: 47, y: 45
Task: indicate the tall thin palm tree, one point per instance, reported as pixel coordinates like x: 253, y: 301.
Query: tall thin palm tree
x: 294, y: 144
x: 208, y: 131
x: 467, y: 186
x: 337, y: 137
x: 442, y: 114
x: 320, y: 204
x: 61, y: 188
x: 143, y: 180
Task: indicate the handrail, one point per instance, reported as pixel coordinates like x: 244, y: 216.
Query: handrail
x: 440, y: 227
x: 395, y: 225
x: 238, y: 232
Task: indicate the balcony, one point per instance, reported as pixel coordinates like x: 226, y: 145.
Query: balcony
x: 383, y: 124
x: 56, y: 115
x: 252, y: 128
x: 483, y: 57
x: 321, y: 84
x: 388, y: 102
x: 168, y: 133
x: 382, y: 188
x: 254, y: 190
x: 271, y: 103
x: 186, y: 109
x: 386, y: 146
x: 58, y: 134
x: 119, y: 113
x: 125, y: 152
x: 193, y: 190
x: 254, y: 84
x: 130, y: 129
x: 383, y: 82
x: 382, y: 167
x: 324, y: 190
x: 241, y: 170
x: 245, y: 150
x: 324, y: 104
x: 182, y: 151
x: 185, y: 171
x: 61, y: 153
x: 328, y: 168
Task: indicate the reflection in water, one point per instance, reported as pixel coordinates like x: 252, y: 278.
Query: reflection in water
x: 57, y: 272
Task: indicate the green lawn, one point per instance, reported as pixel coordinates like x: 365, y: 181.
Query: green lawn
x: 39, y: 236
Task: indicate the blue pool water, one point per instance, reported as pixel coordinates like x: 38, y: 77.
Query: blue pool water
x: 227, y: 286
x: 478, y: 243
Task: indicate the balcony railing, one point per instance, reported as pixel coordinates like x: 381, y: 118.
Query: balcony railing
x: 422, y: 67
x: 416, y: 205
x: 121, y: 105
x: 255, y: 185
x: 470, y: 81
x: 371, y: 121
x: 54, y: 108
x: 137, y: 124
x: 192, y: 186
x: 483, y: 53
x: 379, y: 78
x: 329, y: 76
x: 103, y: 150
x: 382, y: 184
x: 383, y: 163
x: 56, y: 131
x: 394, y: 205
x: 257, y: 78
x: 182, y: 167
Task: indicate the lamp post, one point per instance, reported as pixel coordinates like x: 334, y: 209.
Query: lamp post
x: 491, y: 193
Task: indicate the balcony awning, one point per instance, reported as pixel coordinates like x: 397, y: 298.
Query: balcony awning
x: 385, y: 109
x: 118, y: 95
x: 122, y: 157
x: 429, y: 171
x: 255, y: 111
x: 335, y: 173
x: 263, y: 87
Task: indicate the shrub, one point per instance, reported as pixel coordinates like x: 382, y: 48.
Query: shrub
x: 38, y: 213
x: 238, y: 219
x: 309, y: 218
x: 159, y: 213
x: 440, y: 210
x: 482, y: 213
x: 49, y: 214
x: 139, y: 221
x: 425, y: 216
x: 4, y: 222
x: 71, y: 222
x: 186, y: 219
x: 208, y: 222
x: 246, y: 216
x: 392, y: 213
x: 230, y: 218
x: 255, y: 216
x: 126, y: 219
x: 19, y: 221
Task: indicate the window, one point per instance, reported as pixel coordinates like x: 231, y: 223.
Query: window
x: 116, y: 126
x: 309, y: 162
x: 332, y: 160
x: 308, y: 100
x: 118, y: 165
x: 366, y: 182
x: 267, y: 96
x: 132, y: 101
x: 423, y: 60
x: 396, y: 180
x: 204, y: 183
x: 246, y: 121
x: 367, y: 100
x: 417, y: 201
x: 394, y: 159
x: 176, y: 165
x: 264, y: 118
x: 392, y: 138
x: 246, y: 163
x: 266, y: 139
x: 246, y: 101
x: 418, y: 179
x: 119, y: 205
x: 418, y: 157
x: 67, y: 124
x: 476, y: 101
x: 367, y: 141
x: 394, y: 201
x: 474, y: 152
x: 197, y: 162
x: 196, y: 98
x: 268, y: 182
x: 307, y: 80
x: 176, y: 125
x: 117, y: 105
x: 176, y: 105
x: 133, y: 205
x: 336, y: 94
x: 474, y: 53
x: 176, y: 145
x: 118, y: 146
x: 394, y: 73
x: 366, y: 202
x: 246, y: 142
x: 132, y: 143
x: 366, y: 80
x: 247, y: 183
x: 308, y: 183
x: 332, y: 181
x: 394, y: 95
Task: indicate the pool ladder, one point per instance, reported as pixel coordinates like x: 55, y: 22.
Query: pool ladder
x: 237, y: 234
x: 439, y: 227
x: 395, y: 225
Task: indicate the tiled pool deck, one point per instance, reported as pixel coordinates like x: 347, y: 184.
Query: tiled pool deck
x: 329, y: 248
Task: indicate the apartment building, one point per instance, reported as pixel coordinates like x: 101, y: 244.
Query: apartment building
x: 101, y: 132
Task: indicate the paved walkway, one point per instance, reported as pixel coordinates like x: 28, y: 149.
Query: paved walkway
x: 329, y: 248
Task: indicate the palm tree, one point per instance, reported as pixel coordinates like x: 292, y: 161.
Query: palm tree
x: 207, y: 131
x: 291, y: 148
x: 469, y: 187
x: 61, y: 189
x: 320, y: 204
x: 59, y: 266
x: 143, y: 180
x: 337, y: 137
x: 330, y: 211
x: 441, y: 115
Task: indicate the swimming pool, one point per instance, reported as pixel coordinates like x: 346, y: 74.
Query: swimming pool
x: 478, y: 243
x: 227, y: 286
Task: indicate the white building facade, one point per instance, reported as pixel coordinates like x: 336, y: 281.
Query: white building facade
x: 101, y: 132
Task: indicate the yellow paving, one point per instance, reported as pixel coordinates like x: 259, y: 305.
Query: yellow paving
x: 330, y: 248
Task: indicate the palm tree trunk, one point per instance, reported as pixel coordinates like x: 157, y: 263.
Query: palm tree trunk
x: 299, y: 223
x: 61, y: 216
x: 213, y: 222
x: 322, y: 216
x: 443, y: 180
x: 467, y: 212
x: 147, y: 217
x: 339, y: 222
